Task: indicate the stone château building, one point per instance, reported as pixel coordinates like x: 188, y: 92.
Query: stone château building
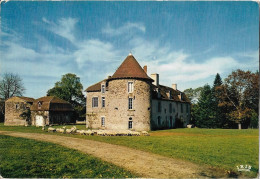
x: 130, y: 99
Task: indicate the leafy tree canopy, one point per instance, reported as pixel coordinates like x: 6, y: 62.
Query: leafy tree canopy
x: 240, y: 93
x: 69, y: 89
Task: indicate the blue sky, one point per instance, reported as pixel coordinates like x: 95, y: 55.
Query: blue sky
x: 185, y: 42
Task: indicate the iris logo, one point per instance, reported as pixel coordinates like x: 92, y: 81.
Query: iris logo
x: 245, y: 168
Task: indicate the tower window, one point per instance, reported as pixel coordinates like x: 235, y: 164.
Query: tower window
x: 130, y: 123
x: 130, y: 87
x: 130, y: 103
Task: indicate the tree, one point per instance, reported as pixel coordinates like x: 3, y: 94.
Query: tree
x: 239, y: 94
x: 70, y: 89
x: 193, y: 94
x: 220, y: 117
x: 11, y: 85
x: 204, y: 113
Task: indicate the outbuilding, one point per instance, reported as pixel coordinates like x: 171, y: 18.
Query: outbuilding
x: 51, y: 110
x: 17, y: 111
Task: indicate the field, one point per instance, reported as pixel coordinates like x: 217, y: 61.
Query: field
x: 220, y: 148
x: 29, y: 158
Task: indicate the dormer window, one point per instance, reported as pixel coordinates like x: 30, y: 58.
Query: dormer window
x: 39, y: 104
x: 103, y: 88
x: 130, y: 87
x: 158, y: 93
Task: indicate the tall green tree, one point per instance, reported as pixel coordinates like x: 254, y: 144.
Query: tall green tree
x: 71, y: 90
x: 239, y: 94
x: 204, y: 113
x: 220, y: 119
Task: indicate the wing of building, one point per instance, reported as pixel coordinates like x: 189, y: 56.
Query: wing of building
x: 130, y: 99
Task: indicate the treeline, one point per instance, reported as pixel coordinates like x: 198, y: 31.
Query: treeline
x: 231, y: 103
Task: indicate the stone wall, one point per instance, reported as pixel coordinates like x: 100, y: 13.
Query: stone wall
x: 170, y: 115
x: 13, y: 110
x: 116, y: 110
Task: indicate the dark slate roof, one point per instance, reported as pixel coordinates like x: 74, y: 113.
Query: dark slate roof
x: 51, y: 103
x: 130, y: 68
x: 163, y: 93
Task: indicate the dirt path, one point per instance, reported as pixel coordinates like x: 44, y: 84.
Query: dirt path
x: 142, y: 163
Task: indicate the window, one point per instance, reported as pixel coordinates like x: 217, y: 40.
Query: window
x: 170, y: 107
x: 171, y: 121
x: 159, y: 106
x: 39, y: 104
x: 165, y: 110
x: 187, y: 108
x: 159, y: 120
x: 102, y: 88
x: 130, y: 87
x: 103, y: 102
x: 173, y: 108
x: 103, y: 121
x: 17, y: 106
x: 95, y: 102
x: 181, y: 108
x: 130, y: 103
x: 130, y: 123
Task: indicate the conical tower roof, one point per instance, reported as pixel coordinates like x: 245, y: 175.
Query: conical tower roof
x: 130, y: 68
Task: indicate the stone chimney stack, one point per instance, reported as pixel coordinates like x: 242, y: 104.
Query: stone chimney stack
x: 145, y: 68
x: 174, y: 86
x: 155, y: 77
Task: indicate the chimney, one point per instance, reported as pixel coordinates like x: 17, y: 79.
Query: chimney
x: 155, y: 77
x: 145, y: 68
x: 108, y: 77
x: 174, y: 86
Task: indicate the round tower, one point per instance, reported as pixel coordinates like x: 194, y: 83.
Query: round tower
x: 129, y: 97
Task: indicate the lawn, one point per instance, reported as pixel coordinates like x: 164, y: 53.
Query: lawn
x: 219, y: 148
x: 29, y: 158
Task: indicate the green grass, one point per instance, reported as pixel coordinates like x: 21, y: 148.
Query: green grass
x: 29, y: 158
x: 220, y: 148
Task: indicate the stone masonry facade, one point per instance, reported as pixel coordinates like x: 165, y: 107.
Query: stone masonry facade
x: 147, y: 106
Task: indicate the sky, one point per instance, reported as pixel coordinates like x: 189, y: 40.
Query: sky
x: 186, y: 43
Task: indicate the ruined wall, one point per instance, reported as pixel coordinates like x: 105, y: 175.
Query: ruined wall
x: 168, y: 118
x: 13, y: 110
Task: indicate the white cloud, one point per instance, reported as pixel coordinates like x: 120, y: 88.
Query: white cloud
x: 181, y: 67
x: 64, y: 28
x: 125, y: 29
x: 94, y: 59
x: 94, y: 50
